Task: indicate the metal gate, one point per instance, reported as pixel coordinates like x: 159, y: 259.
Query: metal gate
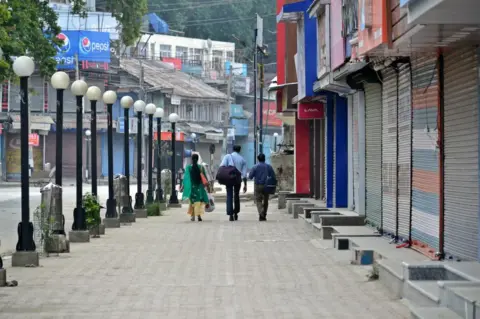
x: 334, y: 201
x: 425, y: 158
x: 404, y: 129
x: 389, y: 152
x: 355, y: 147
x: 461, y: 154
x: 325, y: 152
x: 373, y: 154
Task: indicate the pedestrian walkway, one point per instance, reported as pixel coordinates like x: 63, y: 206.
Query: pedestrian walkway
x: 170, y: 267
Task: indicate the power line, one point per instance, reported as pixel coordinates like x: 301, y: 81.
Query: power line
x: 190, y: 6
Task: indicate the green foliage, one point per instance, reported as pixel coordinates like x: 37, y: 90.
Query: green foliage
x: 154, y: 210
x: 221, y: 21
x: 92, y: 210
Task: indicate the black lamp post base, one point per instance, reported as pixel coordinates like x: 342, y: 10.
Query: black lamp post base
x: 139, y: 201
x: 111, y: 208
x: 173, y: 202
x: 79, y: 222
x: 29, y: 244
x: 128, y: 209
x: 149, y: 196
x: 159, y: 195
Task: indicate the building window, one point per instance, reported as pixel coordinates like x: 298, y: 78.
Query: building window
x: 230, y: 56
x: 165, y: 51
x: 217, y: 60
x: 181, y: 53
x: 195, y: 56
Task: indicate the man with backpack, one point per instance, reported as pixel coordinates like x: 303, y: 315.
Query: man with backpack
x: 231, y: 172
x: 265, y: 184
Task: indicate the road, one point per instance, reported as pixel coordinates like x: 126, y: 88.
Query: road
x: 170, y: 267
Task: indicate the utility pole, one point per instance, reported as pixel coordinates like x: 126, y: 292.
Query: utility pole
x: 226, y: 119
x: 255, y: 96
x: 262, y: 85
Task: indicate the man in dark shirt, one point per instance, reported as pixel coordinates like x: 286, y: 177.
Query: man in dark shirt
x: 260, y: 173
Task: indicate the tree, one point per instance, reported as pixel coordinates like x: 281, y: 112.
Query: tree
x: 30, y: 27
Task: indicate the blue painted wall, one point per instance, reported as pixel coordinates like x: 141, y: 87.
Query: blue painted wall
x: 310, y: 52
x: 118, y: 154
x: 330, y: 137
x: 341, y: 152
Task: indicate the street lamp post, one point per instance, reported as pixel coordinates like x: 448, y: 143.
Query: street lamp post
x: 159, y: 115
x: 79, y: 228
x: 275, y: 136
x: 111, y: 220
x: 60, y: 81
x: 127, y: 212
x: 173, y: 118
x: 139, y: 107
x: 150, y: 109
x: 94, y: 94
x: 25, y: 250
x: 194, y: 140
x: 88, y: 169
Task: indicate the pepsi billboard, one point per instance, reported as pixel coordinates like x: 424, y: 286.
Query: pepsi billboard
x: 89, y: 45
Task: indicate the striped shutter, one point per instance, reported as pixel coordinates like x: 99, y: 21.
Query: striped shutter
x: 404, y: 130
x: 373, y: 154
x: 461, y: 154
x: 334, y: 154
x: 425, y: 159
x: 325, y: 151
x: 389, y: 152
x: 355, y: 147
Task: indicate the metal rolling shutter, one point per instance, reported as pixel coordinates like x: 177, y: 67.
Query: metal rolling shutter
x: 404, y: 150
x: 334, y: 154
x: 389, y: 152
x: 356, y: 166
x: 425, y: 157
x: 373, y: 154
x: 461, y: 154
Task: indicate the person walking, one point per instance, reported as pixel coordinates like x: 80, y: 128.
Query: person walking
x: 233, y: 191
x: 194, y: 189
x: 265, y: 183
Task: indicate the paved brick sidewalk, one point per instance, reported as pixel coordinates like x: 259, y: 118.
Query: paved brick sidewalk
x: 169, y: 267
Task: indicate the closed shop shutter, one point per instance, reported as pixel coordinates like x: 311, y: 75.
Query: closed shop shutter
x: 373, y: 154
x: 325, y: 151
x: 425, y: 157
x: 69, y: 148
x: 356, y: 168
x: 13, y: 157
x: 334, y: 156
x: 404, y: 150
x: 461, y: 154
x: 389, y: 152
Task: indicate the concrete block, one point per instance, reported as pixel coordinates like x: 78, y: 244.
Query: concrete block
x: 25, y: 259
x: 57, y: 244
x: 423, y: 293
x: 307, y: 211
x: 291, y: 202
x: 390, y: 275
x: 315, y: 215
x: 298, y: 209
x: 127, y: 218
x: 282, y: 199
x: 342, y: 243
x: 432, y: 313
x: 140, y: 213
x: 362, y: 257
x: 341, y: 220
x: 111, y: 222
x: 327, y: 232
x: 101, y: 229
x: 79, y: 236
x: 3, y: 277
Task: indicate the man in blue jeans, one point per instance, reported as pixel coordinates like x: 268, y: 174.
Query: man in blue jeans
x: 260, y: 174
x: 233, y: 192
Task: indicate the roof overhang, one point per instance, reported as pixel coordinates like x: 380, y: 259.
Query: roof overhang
x: 317, y: 7
x: 279, y: 87
x: 292, y: 12
x: 442, y: 11
x: 348, y: 68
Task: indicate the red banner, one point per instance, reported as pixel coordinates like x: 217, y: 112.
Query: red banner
x: 269, y: 114
x: 34, y: 139
x: 311, y: 111
x: 177, y: 63
x: 167, y: 136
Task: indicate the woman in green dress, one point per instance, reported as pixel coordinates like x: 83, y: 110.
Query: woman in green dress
x: 194, y: 190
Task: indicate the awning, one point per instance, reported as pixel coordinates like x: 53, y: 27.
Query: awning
x: 346, y: 69
x: 316, y: 7
x: 70, y: 122
x: 196, y: 128
x: 209, y: 128
x: 280, y: 86
x: 37, y: 122
x: 292, y: 12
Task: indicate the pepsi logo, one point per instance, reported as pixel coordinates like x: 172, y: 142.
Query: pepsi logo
x: 85, y: 44
x: 65, y: 46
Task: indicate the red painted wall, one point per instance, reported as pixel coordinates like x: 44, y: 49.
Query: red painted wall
x: 280, y: 46
x: 302, y: 156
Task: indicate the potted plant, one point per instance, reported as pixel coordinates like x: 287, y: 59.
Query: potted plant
x: 92, y: 213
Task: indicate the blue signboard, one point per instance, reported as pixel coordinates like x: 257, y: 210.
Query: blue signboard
x: 239, y: 69
x: 241, y: 127
x: 88, y: 45
x: 236, y: 110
